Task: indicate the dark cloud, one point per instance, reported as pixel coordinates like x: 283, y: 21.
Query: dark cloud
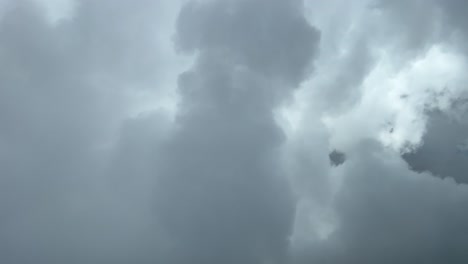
x: 419, y: 24
x: 221, y: 193
x: 382, y: 211
x: 80, y: 186
x: 443, y: 150
x: 415, y: 25
x: 83, y: 179
x: 337, y: 158
x: 241, y: 31
x: 388, y: 214
x: 61, y: 100
x: 453, y: 11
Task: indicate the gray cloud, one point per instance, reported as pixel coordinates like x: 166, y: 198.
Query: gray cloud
x: 378, y: 210
x: 221, y: 193
x: 86, y: 176
x: 337, y: 158
x: 388, y: 214
x: 62, y: 98
x: 79, y: 186
x: 443, y: 150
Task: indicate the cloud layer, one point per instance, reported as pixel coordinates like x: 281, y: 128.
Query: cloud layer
x: 233, y: 131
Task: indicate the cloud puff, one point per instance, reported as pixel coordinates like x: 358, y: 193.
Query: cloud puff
x: 443, y: 151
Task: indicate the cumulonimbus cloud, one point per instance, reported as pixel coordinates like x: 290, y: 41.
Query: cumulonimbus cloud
x: 233, y: 131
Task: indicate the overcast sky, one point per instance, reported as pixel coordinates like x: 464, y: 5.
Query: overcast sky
x: 233, y: 131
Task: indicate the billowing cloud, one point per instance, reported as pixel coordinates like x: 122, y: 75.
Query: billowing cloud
x: 233, y: 131
x: 388, y: 214
x: 221, y: 192
x: 378, y: 209
x: 443, y: 151
x: 65, y: 89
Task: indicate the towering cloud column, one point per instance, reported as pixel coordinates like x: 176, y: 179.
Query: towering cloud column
x: 221, y: 194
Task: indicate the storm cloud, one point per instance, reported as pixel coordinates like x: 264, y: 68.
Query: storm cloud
x: 233, y: 131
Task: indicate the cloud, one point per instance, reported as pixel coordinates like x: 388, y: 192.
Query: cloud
x: 443, y: 149
x: 388, y: 214
x: 221, y: 192
x: 337, y: 158
x: 86, y: 181
x: 206, y: 131
x: 376, y: 209
x: 65, y: 89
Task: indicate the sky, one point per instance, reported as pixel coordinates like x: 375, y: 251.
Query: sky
x: 233, y: 131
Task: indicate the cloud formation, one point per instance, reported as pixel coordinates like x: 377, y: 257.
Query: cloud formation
x: 233, y: 131
x: 221, y: 193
